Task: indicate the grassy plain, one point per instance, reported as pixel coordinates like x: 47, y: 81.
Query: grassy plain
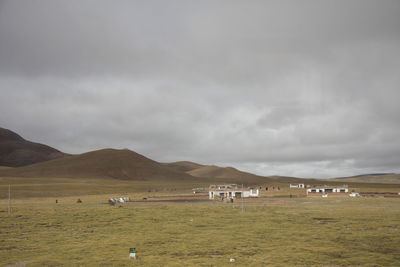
x: 276, y: 232
x: 22, y: 188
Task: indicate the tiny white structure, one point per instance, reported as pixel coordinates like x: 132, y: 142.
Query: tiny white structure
x: 231, y: 191
x: 354, y: 194
x: 296, y: 185
x: 198, y: 190
x: 115, y: 200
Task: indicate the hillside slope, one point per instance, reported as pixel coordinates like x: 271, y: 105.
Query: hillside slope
x: 384, y: 178
x: 15, y: 151
x: 105, y: 163
x: 230, y: 174
x: 219, y: 172
x: 211, y: 171
x: 184, y: 166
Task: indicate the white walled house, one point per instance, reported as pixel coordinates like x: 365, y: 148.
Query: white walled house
x: 296, y: 186
x: 230, y: 191
x: 328, y: 190
x: 250, y: 193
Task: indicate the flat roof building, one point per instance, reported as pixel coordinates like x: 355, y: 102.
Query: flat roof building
x: 296, y: 186
x: 327, y: 189
x: 231, y: 191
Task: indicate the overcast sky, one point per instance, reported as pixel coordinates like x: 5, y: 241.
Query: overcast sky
x: 297, y: 88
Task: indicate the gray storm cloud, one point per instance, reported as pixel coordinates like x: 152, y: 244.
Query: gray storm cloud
x: 301, y: 88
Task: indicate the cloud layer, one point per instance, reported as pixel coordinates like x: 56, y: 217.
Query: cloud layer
x: 306, y: 88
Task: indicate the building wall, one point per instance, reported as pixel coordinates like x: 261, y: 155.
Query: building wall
x: 296, y: 186
x: 327, y: 190
x: 232, y: 193
x: 246, y: 193
x: 329, y: 194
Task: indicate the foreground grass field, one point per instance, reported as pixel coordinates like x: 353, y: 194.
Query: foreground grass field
x: 276, y: 232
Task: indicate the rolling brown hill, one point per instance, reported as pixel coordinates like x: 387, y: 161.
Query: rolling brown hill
x: 128, y: 165
x: 380, y: 178
x: 15, y: 151
x: 184, y: 166
x: 105, y: 163
x: 226, y: 174
x: 219, y: 172
x: 38, y: 160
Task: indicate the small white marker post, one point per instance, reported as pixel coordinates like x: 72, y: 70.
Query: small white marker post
x: 9, y: 199
x: 132, y: 253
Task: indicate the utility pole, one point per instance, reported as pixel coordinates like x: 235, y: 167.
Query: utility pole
x: 242, y: 199
x: 9, y: 199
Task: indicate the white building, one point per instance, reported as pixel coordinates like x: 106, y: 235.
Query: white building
x: 325, y: 189
x: 231, y: 191
x: 198, y: 190
x: 296, y: 185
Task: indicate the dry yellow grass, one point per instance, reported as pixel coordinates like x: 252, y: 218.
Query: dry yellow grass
x: 274, y: 231
x: 294, y: 232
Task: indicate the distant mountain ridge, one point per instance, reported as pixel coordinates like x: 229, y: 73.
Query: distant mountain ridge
x: 369, y: 174
x: 379, y: 178
x: 15, y: 151
x: 38, y: 160
x: 225, y: 174
x: 22, y: 158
